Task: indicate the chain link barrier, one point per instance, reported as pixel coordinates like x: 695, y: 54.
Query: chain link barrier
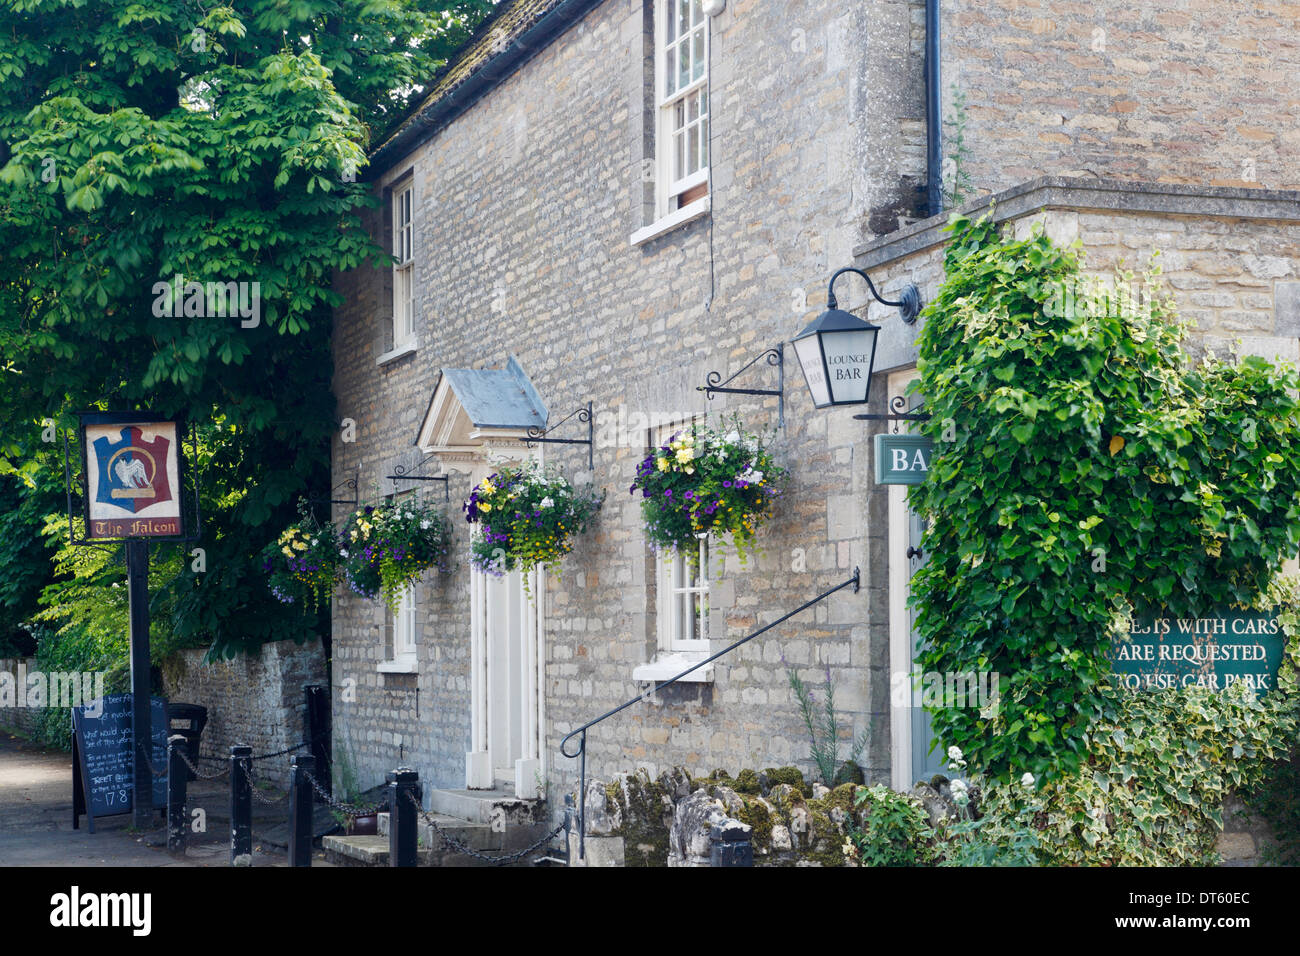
x: 450, y: 842
x: 346, y: 809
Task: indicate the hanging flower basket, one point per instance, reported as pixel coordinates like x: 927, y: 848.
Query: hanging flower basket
x: 303, y: 564
x: 528, y: 516
x: 705, y: 481
x: 385, y: 548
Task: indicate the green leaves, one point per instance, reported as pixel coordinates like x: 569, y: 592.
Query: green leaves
x: 1098, y: 468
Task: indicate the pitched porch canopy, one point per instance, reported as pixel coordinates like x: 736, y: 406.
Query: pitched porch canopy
x: 475, y: 408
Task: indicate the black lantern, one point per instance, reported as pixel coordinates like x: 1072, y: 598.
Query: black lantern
x: 837, y: 349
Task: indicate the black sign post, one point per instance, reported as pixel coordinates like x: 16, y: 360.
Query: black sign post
x: 137, y: 576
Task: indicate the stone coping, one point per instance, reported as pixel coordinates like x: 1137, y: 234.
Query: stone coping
x: 1068, y: 192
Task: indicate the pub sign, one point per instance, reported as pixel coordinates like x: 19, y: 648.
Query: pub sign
x: 132, y: 476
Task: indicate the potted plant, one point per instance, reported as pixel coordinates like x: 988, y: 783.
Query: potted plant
x: 303, y: 564
x: 527, y: 516
x: 704, y: 481
x: 385, y: 548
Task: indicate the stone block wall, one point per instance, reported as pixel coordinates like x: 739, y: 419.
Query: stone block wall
x: 1196, y: 91
x: 523, y: 211
x: 252, y: 701
x: 13, y: 717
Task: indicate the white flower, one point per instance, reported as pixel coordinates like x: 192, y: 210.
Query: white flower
x: 546, y: 502
x: 1027, y: 780
x: 424, y: 525
x: 313, y: 542
x: 955, y: 754
x: 343, y: 552
x: 732, y: 437
x: 958, y: 786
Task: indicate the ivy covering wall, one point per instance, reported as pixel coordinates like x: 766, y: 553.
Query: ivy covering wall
x: 1090, y: 470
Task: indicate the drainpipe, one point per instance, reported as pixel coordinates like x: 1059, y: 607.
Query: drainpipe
x: 933, y: 116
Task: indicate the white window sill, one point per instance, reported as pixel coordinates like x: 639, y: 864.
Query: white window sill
x: 671, y: 221
x: 665, y: 666
x: 403, y: 665
x: 400, y: 351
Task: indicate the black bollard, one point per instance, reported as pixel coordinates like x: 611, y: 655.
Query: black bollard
x: 241, y: 806
x: 300, y: 805
x: 177, y: 775
x: 731, y: 844
x: 403, y: 833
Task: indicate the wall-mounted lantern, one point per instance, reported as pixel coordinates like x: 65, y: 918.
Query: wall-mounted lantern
x: 837, y: 349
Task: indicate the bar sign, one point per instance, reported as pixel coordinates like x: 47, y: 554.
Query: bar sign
x: 902, y: 459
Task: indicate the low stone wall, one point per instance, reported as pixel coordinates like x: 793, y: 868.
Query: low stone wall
x: 254, y: 701
x: 12, y: 716
x: 673, y: 819
x: 636, y: 820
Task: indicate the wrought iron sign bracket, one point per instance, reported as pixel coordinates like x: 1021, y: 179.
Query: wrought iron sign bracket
x: 583, y: 414
x: 404, y: 474
x: 715, y: 385
x: 898, y: 413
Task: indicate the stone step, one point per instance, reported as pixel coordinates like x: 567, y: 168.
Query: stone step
x: 498, y: 807
x: 355, y: 850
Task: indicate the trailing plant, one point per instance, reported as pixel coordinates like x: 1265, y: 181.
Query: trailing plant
x: 385, y: 548
x: 1081, y: 466
x: 703, y: 481
x: 894, y: 831
x: 823, y: 725
x: 529, y: 515
x: 302, y: 566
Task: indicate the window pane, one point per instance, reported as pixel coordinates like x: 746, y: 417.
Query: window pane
x: 670, y: 21
x: 694, y: 149
x: 683, y: 17
x: 698, y: 55
x: 684, y: 65
x: 704, y: 142
x: 670, y: 71
x: 679, y: 159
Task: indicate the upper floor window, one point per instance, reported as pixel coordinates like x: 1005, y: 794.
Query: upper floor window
x: 404, y: 268
x: 682, y: 88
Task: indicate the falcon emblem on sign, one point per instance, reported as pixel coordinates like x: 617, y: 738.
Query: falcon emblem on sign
x: 132, y: 471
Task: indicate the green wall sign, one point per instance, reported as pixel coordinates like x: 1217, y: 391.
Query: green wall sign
x: 1225, y: 648
x: 902, y: 459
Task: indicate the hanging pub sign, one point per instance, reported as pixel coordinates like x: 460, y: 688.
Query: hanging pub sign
x: 902, y: 459
x: 132, y: 476
x: 1226, y: 647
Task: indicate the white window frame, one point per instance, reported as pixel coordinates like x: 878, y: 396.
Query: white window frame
x: 404, y: 269
x: 405, y: 625
x: 675, y: 601
x: 669, y: 186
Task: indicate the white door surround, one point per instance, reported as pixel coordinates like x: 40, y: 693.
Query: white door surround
x: 507, y: 672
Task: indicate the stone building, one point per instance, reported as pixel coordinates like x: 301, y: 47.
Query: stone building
x: 602, y: 202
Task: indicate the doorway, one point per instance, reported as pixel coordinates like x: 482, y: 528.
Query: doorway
x: 915, y: 754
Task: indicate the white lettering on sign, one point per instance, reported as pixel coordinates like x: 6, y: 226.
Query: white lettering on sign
x: 902, y: 463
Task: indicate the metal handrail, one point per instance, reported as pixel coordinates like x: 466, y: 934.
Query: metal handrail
x: 581, y: 733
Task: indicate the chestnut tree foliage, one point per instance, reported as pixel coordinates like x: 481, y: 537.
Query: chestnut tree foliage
x: 1089, y: 470
x: 220, y: 143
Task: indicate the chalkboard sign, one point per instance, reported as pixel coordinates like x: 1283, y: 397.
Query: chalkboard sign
x: 103, y: 767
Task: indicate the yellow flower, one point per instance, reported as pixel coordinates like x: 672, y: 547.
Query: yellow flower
x: 662, y: 464
x: 300, y: 546
x: 684, y: 455
x: 484, y: 506
x: 287, y: 553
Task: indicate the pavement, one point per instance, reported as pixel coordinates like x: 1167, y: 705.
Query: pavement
x: 36, y: 820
